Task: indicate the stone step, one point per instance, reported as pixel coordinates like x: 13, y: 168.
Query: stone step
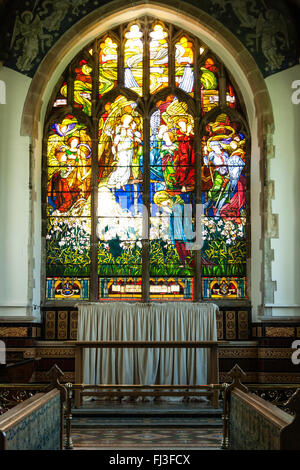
x: 148, y: 412
x: 154, y: 421
x: 128, y: 410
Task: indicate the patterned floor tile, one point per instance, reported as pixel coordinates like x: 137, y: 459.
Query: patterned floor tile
x: 147, y: 438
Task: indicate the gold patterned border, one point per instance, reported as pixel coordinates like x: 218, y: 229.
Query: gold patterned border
x: 12, y: 331
x: 275, y: 353
x: 264, y: 378
x: 255, y: 353
x: 58, y: 352
x: 29, y: 353
x: 239, y: 353
x: 279, y: 377
x: 280, y: 331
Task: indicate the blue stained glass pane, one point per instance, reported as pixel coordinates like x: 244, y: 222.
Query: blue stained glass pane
x: 67, y: 288
x: 224, y: 287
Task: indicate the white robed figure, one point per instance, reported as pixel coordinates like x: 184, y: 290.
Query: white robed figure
x: 122, y: 149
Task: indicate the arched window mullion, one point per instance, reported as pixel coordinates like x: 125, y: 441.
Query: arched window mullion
x: 44, y: 194
x: 198, y: 165
x: 171, y: 49
x: 121, y: 65
x: 94, y: 176
x: 146, y: 172
x: 95, y: 81
x: 222, y: 86
x: 94, y: 214
x: 70, y: 85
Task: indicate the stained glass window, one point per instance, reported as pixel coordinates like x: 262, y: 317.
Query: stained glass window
x: 184, y: 65
x: 159, y: 58
x: 133, y: 59
x: 120, y: 205
x: 209, y: 79
x: 83, y: 86
x: 146, y: 160
x: 61, y: 96
x: 108, y: 65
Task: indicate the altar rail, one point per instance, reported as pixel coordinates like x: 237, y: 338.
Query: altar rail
x: 212, y: 345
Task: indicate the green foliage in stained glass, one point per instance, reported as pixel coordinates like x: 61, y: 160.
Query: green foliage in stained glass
x: 108, y: 208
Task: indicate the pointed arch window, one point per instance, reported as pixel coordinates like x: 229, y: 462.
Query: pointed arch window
x: 146, y: 148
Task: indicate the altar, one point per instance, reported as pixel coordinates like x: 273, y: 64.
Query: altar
x: 171, y: 343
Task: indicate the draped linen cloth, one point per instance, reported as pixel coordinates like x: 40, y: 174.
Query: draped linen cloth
x: 174, y: 321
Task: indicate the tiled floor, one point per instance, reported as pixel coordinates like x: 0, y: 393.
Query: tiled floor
x: 146, y: 425
x: 147, y: 438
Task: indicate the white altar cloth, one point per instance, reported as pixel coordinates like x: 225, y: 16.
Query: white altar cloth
x: 167, y: 321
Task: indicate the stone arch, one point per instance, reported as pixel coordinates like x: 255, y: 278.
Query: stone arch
x: 231, y: 51
x: 187, y: 16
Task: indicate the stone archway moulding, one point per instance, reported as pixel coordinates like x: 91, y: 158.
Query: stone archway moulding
x: 230, y: 50
x: 185, y: 15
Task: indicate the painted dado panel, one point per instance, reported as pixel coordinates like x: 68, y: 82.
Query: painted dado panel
x: 61, y: 325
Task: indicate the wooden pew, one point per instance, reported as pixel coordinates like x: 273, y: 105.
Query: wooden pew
x: 37, y: 422
x: 255, y: 424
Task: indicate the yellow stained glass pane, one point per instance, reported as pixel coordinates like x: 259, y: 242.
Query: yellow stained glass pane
x: 83, y: 87
x: 133, y: 59
x: 209, y: 85
x: 61, y: 97
x: 159, y: 59
x: 108, y: 66
x: 69, y: 153
x: 184, y: 61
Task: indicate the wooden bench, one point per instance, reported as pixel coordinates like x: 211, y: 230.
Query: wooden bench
x: 37, y: 422
x: 255, y: 424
